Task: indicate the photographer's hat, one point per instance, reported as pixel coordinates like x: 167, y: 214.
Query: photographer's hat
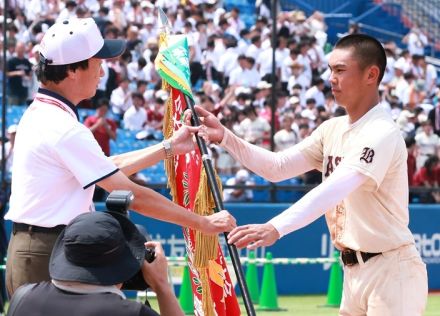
x: 74, y: 40
x: 98, y: 248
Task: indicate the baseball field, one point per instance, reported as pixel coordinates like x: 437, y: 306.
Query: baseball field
x: 313, y: 305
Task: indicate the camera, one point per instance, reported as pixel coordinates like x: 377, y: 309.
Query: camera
x: 119, y: 201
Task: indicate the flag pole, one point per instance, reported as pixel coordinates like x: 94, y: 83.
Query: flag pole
x: 207, y: 163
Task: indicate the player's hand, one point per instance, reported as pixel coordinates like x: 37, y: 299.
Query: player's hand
x: 156, y: 272
x: 253, y: 236
x: 216, y: 223
x: 211, y: 130
x: 182, y: 141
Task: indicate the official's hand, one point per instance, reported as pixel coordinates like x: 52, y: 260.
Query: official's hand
x: 218, y: 223
x: 212, y: 130
x: 156, y: 272
x: 182, y: 141
x: 253, y: 236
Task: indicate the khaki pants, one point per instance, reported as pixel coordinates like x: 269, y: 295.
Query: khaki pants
x: 28, y: 258
x: 394, y: 283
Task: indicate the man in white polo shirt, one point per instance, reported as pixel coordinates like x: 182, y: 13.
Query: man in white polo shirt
x: 58, y: 161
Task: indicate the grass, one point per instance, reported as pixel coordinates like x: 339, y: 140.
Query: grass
x: 312, y: 305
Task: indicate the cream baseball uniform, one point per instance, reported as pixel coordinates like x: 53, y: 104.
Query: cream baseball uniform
x: 372, y: 218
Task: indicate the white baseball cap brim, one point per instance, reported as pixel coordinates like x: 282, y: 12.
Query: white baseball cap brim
x: 75, y: 40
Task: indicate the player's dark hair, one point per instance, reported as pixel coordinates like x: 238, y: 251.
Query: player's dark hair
x: 367, y: 50
x: 57, y: 73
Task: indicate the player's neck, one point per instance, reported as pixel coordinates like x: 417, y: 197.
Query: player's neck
x: 364, y: 105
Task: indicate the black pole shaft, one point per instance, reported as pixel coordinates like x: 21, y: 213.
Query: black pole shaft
x: 3, y: 241
x: 207, y: 163
x: 273, y: 76
x: 274, y: 80
x: 4, y: 90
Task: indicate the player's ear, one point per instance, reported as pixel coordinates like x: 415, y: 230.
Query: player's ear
x: 373, y: 74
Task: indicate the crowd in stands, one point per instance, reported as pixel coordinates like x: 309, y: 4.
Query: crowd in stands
x: 231, y: 67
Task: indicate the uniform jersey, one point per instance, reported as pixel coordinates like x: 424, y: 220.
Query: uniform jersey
x: 374, y: 218
x: 57, y: 161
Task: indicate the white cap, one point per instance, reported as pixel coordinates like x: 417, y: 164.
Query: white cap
x: 264, y: 85
x: 161, y: 94
x: 294, y: 100
x: 75, y: 40
x: 147, y: 4
x: 12, y: 129
x: 242, y: 175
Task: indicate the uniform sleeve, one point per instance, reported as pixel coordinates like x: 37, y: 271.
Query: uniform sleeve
x: 372, y: 152
x: 81, y: 154
x: 312, y: 147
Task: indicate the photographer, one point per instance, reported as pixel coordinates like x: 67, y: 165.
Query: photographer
x: 95, y: 254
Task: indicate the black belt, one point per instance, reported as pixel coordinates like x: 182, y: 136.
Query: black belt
x: 20, y: 227
x: 349, y: 257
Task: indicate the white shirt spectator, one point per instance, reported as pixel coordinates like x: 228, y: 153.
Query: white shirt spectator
x: 243, y: 77
x: 417, y: 42
x: 120, y: 100
x: 134, y: 73
x: 103, y: 81
x: 228, y: 61
x: 135, y: 119
x: 285, y: 139
x: 316, y: 94
x: 255, y: 130
x: 253, y: 51
x: 264, y: 62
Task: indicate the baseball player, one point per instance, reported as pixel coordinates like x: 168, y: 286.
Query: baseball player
x: 364, y: 193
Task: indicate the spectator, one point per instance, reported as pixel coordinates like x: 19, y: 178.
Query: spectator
x: 427, y: 142
x: 19, y: 72
x: 434, y: 118
x: 255, y: 48
x: 120, y: 98
x: 253, y: 128
x: 411, y: 160
x: 102, y: 127
x: 9, y: 147
x: 316, y: 92
x: 137, y: 71
x: 92, y: 258
x: 427, y: 177
x: 135, y: 117
x: 286, y: 137
x: 68, y: 12
x: 416, y: 41
x: 241, y: 178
